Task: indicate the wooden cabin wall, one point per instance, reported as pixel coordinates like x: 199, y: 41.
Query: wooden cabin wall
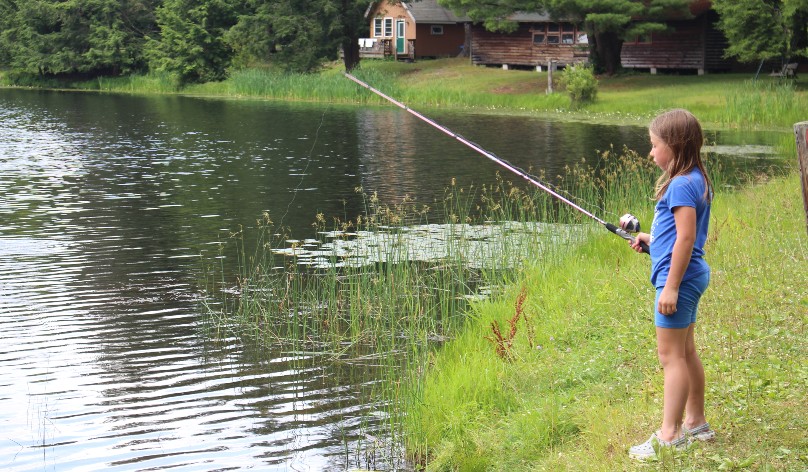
x: 517, y: 48
x: 682, y: 48
x: 439, y: 45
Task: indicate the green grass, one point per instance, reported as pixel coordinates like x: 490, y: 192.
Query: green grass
x: 586, y: 385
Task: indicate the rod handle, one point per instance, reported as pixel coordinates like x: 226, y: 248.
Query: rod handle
x: 623, y: 234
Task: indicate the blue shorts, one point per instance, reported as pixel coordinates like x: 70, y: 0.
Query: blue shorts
x: 690, y: 292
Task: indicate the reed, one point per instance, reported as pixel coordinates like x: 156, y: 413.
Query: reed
x: 763, y: 103
x: 151, y: 83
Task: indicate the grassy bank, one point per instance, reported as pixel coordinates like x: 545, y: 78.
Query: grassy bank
x: 719, y: 100
x: 580, y: 382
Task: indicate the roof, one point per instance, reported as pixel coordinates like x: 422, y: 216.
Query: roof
x: 428, y: 11
x: 523, y: 17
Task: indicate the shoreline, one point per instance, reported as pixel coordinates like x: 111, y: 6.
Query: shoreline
x: 722, y: 101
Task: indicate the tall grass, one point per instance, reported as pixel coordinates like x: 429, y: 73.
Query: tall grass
x: 763, y: 103
x: 340, y: 292
x: 153, y: 82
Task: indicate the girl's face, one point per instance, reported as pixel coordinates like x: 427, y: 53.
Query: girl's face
x: 660, y: 152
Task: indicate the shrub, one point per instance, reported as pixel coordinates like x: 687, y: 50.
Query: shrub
x: 580, y: 83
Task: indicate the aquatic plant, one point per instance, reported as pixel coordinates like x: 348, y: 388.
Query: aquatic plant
x: 391, y: 284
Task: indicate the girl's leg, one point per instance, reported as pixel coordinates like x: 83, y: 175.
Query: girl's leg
x: 671, y: 348
x: 694, y: 409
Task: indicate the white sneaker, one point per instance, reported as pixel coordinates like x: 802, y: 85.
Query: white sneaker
x: 649, y: 448
x: 702, y: 433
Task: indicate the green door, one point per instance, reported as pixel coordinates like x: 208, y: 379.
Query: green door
x: 401, y: 28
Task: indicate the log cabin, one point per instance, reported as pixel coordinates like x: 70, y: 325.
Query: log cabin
x: 537, y: 40
x: 692, y: 44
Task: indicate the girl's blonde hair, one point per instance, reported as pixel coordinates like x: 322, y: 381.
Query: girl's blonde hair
x: 682, y: 133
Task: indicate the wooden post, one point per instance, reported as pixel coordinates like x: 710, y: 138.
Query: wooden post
x: 549, y: 77
x: 801, y: 134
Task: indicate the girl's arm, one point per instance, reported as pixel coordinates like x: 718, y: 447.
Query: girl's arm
x: 685, y: 218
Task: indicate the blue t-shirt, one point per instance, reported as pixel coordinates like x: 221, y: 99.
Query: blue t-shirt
x: 683, y: 190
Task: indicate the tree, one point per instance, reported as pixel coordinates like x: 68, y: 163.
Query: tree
x: 90, y: 37
x: 349, y: 25
x: 252, y: 37
x: 299, y: 35
x: 191, y: 45
x: 764, y: 29
x: 607, y: 23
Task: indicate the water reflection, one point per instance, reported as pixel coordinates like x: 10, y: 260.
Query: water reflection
x: 110, y: 208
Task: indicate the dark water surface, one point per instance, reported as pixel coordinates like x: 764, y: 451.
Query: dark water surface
x: 110, y: 206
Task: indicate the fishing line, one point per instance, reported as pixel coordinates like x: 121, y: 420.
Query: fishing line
x: 502, y: 162
x: 305, y: 169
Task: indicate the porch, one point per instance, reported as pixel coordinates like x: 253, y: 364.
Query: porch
x: 382, y: 48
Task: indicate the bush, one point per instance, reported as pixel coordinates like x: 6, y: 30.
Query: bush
x: 580, y: 83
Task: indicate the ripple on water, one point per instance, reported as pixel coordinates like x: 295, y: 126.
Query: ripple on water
x: 102, y: 362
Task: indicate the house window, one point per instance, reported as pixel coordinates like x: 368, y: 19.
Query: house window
x: 567, y: 38
x: 552, y: 33
x: 538, y: 38
x: 382, y: 27
x: 436, y: 29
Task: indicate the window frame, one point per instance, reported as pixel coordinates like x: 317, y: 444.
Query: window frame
x: 556, y: 34
x: 436, y: 30
x: 388, y: 27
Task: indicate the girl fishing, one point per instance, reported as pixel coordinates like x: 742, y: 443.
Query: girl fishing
x: 680, y: 275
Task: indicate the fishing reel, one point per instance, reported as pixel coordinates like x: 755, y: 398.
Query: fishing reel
x: 630, y: 223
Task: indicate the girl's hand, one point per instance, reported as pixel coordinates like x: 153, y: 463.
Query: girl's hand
x: 640, y: 237
x: 667, y: 301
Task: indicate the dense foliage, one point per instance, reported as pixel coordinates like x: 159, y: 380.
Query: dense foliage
x: 580, y: 84
x: 74, y: 36
x: 191, y: 40
x: 191, y: 45
x: 764, y: 29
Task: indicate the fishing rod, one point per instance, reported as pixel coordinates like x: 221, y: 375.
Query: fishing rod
x: 630, y: 222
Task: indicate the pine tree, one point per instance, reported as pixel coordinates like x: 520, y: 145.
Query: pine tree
x: 191, y: 45
x: 299, y: 35
x: 89, y: 37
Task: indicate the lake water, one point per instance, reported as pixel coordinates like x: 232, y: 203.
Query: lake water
x: 110, y: 207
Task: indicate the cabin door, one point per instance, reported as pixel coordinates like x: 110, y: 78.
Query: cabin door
x: 401, y: 30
